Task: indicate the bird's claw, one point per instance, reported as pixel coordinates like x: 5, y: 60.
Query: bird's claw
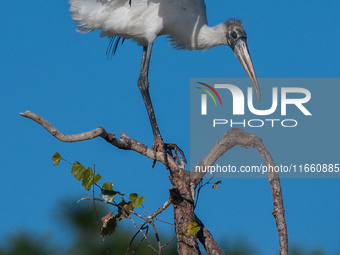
x: 175, y: 148
x: 159, y: 145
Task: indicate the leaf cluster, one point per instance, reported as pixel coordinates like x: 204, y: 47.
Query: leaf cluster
x: 89, y: 179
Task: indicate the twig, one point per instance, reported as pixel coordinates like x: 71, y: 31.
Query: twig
x: 157, y: 237
x: 147, y: 220
x: 133, y: 238
x: 199, y: 189
x: 164, y: 245
x: 95, y: 209
x: 153, y: 217
x: 160, y: 209
x: 140, y: 230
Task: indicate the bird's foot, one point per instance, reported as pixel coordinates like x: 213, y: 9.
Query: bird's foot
x: 160, y: 146
x: 175, y: 148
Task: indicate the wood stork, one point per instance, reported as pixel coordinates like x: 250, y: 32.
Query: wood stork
x: 185, y: 23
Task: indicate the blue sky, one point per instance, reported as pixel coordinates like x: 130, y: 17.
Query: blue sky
x: 65, y: 77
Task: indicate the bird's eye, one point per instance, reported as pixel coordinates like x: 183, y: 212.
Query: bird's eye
x: 234, y: 35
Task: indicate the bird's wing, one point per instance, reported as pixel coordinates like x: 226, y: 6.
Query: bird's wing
x: 184, y: 22
x: 143, y: 21
x: 139, y: 21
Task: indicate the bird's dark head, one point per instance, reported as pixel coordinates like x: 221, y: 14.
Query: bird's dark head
x: 234, y: 32
x: 237, y: 40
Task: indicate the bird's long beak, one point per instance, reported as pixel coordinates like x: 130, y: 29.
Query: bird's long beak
x: 242, y: 53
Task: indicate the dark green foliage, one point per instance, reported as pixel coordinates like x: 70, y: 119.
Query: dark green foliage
x: 28, y: 244
x: 298, y: 250
x: 82, y: 229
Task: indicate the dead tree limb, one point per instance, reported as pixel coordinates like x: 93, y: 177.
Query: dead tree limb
x: 236, y: 136
x: 124, y: 142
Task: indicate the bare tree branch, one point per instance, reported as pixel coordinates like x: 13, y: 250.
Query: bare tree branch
x: 232, y: 137
x: 64, y: 138
x: 236, y: 136
x: 160, y: 210
x: 124, y: 143
x: 279, y: 210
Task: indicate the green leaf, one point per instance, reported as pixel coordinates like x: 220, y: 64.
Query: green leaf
x: 193, y: 231
x: 85, y: 175
x: 89, y: 178
x: 107, y: 186
x: 97, y: 177
x: 108, y: 193
x: 192, y: 228
x: 136, y: 201
x: 78, y: 170
x: 56, y: 158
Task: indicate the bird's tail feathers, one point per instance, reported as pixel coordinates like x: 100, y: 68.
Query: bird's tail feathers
x: 88, y: 14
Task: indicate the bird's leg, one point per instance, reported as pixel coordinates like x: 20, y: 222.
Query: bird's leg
x: 143, y: 85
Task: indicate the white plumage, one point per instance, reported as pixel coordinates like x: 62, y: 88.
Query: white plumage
x: 185, y: 23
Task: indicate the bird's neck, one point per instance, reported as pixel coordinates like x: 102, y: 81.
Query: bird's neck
x: 209, y: 37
